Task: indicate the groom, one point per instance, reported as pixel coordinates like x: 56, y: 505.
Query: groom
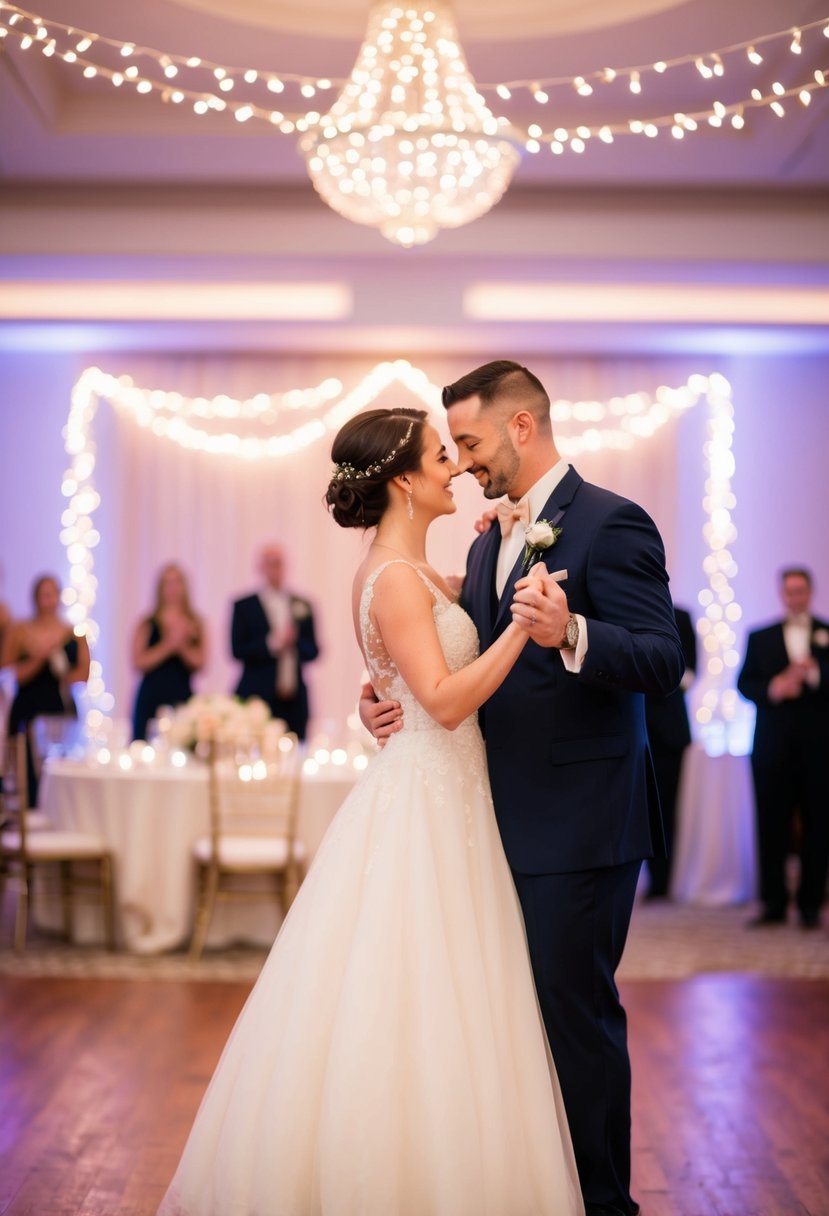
x: 572, y: 778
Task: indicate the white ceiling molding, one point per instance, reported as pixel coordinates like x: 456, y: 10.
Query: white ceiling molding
x: 484, y: 19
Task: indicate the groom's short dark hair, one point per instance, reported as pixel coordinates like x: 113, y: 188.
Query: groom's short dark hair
x: 500, y: 379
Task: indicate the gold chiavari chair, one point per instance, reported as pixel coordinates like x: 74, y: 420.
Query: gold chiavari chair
x: 253, y: 819
x: 73, y: 854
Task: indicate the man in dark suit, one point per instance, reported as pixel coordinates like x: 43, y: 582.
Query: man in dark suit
x: 272, y: 635
x: 786, y: 675
x: 571, y: 772
x: 669, y: 733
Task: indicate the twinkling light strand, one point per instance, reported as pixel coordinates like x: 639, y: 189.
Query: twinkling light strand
x: 167, y: 414
x: 620, y: 422
x: 42, y: 29
x: 32, y: 30
x: 710, y: 64
x: 680, y: 124
x: 719, y: 717
x: 616, y: 424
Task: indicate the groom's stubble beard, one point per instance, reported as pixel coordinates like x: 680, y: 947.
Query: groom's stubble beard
x: 503, y: 468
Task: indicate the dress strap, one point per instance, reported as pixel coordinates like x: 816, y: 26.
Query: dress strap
x: 368, y: 585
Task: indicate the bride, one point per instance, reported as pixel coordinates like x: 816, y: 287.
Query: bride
x: 391, y: 1059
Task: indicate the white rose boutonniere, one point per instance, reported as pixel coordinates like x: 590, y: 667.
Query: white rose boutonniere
x: 821, y: 637
x: 301, y: 611
x: 539, y: 537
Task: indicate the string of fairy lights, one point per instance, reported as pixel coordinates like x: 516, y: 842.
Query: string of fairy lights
x: 582, y: 426
x: 246, y: 93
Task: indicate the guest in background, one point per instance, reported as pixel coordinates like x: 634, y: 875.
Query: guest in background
x: 786, y: 675
x: 273, y: 636
x: 5, y: 622
x: 669, y: 733
x: 48, y: 658
x: 168, y: 646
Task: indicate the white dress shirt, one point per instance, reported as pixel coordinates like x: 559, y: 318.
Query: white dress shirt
x: 797, y: 635
x: 277, y: 605
x: 512, y: 546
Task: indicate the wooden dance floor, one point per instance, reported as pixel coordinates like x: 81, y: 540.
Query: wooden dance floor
x: 100, y: 1079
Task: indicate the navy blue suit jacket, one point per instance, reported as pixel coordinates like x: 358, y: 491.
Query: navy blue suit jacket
x: 571, y: 772
x: 805, y: 718
x: 249, y: 642
x: 669, y: 728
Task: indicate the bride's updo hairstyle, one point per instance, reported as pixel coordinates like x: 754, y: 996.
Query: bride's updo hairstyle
x: 368, y: 452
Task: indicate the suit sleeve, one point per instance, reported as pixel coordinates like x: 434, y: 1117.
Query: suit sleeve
x: 753, y: 680
x: 249, y: 645
x: 633, y: 642
x: 306, y: 644
x: 687, y: 638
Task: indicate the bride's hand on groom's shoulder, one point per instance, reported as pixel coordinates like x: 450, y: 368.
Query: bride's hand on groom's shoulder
x: 381, y: 719
x: 540, y: 606
x: 485, y: 521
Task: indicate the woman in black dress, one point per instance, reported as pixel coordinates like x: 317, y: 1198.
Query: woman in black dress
x: 48, y: 658
x: 168, y: 646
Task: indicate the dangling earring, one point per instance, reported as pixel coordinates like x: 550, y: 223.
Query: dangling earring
x: 409, y: 507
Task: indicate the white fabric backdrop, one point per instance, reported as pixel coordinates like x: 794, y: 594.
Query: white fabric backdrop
x: 212, y: 513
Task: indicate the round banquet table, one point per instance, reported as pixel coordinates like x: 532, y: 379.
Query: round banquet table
x: 150, y: 818
x: 714, y: 848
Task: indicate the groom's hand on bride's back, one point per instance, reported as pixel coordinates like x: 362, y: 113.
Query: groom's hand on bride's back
x: 381, y: 719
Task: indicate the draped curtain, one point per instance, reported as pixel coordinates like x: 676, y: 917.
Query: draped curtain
x: 212, y: 513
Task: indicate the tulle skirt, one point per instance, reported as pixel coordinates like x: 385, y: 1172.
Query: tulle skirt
x: 391, y: 1059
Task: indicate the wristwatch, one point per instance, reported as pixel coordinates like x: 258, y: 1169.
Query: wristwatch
x: 571, y: 634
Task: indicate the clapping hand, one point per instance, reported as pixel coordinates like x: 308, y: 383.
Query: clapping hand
x: 281, y: 639
x: 787, y: 685
x: 179, y: 635
x: 58, y: 664
x: 540, y: 605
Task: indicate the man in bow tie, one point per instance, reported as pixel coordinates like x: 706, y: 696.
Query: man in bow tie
x: 567, y: 749
x: 786, y: 675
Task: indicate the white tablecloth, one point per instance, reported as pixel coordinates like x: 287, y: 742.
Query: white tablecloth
x: 714, y: 847
x: 150, y: 818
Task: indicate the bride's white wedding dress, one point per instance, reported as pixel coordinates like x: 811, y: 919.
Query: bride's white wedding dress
x: 391, y: 1059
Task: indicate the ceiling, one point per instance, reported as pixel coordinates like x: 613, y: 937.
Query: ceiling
x: 77, y: 155
x: 56, y: 125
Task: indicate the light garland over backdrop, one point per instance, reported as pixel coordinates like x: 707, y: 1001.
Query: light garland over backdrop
x: 410, y: 145
x: 616, y: 424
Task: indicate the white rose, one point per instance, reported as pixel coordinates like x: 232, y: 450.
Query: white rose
x: 301, y: 611
x: 258, y: 712
x: 821, y: 637
x: 540, y: 535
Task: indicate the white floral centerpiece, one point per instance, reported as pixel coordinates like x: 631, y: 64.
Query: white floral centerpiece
x: 212, y: 715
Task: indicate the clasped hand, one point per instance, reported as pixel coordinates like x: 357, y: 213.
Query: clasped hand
x: 540, y: 606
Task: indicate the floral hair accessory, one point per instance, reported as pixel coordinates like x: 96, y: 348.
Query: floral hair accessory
x: 347, y: 472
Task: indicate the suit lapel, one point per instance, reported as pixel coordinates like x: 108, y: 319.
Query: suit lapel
x: 485, y: 583
x: 553, y: 510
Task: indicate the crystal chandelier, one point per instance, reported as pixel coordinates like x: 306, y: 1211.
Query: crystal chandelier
x: 409, y: 146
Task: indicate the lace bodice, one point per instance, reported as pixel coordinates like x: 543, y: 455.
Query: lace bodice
x: 458, y: 639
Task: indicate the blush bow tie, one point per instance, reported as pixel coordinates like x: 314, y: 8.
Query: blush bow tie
x: 510, y: 513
